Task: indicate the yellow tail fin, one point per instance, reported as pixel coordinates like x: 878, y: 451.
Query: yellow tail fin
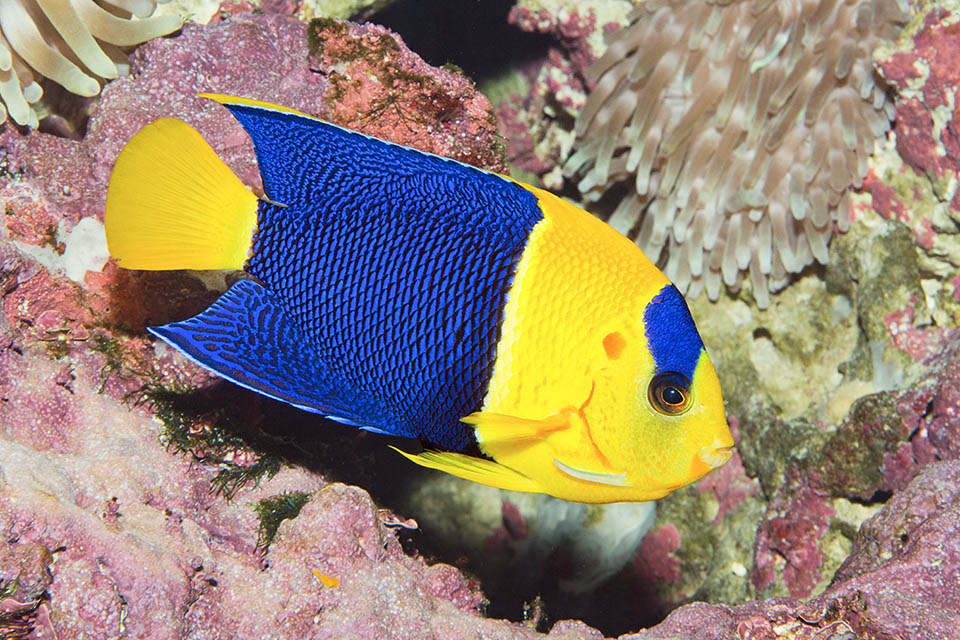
x: 173, y: 204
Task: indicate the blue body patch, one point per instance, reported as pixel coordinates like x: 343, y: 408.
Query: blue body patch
x: 672, y: 337
x: 391, y: 265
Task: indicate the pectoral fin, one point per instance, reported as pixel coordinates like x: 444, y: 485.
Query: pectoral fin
x: 497, y: 428
x: 479, y: 470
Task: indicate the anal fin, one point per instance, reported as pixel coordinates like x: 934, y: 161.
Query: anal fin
x: 246, y: 338
x: 479, y: 470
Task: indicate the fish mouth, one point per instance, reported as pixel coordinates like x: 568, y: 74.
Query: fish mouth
x: 716, y: 456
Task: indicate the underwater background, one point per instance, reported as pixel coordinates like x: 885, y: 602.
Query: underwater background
x: 795, y: 172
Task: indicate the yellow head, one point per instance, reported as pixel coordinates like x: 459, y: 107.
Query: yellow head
x: 656, y: 411
x: 611, y: 392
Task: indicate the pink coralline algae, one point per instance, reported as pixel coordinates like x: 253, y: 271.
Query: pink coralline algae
x: 557, y: 80
x: 377, y: 86
x: 931, y: 413
x: 936, y: 48
x: 923, y: 70
x: 109, y: 533
x: 884, y: 199
x: 921, y: 343
x: 564, y: 74
x: 730, y: 485
x: 655, y: 559
x: 501, y: 540
x: 886, y: 441
x: 789, y: 538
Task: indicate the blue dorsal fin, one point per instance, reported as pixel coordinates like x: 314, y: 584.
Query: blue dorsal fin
x: 246, y: 338
x: 300, y: 156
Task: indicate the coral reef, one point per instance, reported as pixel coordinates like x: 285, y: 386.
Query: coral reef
x: 719, y: 120
x: 378, y: 87
x: 840, y: 390
x: 540, y: 100
x: 70, y: 43
x: 117, y: 457
x: 919, y: 186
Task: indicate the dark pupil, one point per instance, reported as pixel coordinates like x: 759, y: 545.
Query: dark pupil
x: 672, y: 396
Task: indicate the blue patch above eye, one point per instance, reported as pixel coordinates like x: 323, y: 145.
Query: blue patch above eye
x: 671, y: 334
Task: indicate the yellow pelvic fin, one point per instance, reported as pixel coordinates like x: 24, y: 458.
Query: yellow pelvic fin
x: 173, y: 204
x: 479, y: 470
x: 497, y: 428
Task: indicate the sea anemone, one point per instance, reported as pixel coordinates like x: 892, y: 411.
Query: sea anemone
x: 69, y: 42
x: 741, y: 125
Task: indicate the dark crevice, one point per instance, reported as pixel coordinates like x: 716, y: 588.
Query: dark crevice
x: 472, y: 34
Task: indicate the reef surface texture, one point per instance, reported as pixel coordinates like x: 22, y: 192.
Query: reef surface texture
x: 133, y: 505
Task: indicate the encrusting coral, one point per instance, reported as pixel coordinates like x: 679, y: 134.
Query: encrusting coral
x: 741, y: 126
x: 69, y: 42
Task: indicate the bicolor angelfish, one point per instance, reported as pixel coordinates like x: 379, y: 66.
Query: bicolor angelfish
x: 526, y: 343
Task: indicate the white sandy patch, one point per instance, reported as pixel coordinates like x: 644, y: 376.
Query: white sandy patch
x: 86, y: 250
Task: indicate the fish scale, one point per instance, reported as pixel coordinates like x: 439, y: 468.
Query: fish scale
x: 420, y: 355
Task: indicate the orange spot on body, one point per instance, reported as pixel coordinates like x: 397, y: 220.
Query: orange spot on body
x: 613, y: 345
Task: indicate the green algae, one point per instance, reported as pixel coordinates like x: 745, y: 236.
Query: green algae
x: 208, y: 431
x: 452, y: 68
x: 274, y: 510
x: 59, y: 348
x: 113, y: 353
x: 376, y: 49
x: 50, y: 239
x: 812, y: 383
x: 769, y: 446
x: 851, y: 461
x: 318, y: 28
x: 882, y: 271
x: 5, y: 172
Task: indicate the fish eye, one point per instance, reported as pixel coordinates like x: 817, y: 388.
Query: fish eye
x: 670, y: 394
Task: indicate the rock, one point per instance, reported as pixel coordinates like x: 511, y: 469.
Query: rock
x: 899, y: 582
x: 537, y: 100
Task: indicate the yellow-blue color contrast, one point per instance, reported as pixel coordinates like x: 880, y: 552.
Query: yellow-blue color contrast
x: 527, y: 344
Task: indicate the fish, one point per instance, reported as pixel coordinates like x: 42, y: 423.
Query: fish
x: 524, y: 342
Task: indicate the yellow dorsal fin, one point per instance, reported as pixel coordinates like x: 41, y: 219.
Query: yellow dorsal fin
x: 225, y: 99
x: 479, y: 470
x: 506, y: 429
x: 173, y: 204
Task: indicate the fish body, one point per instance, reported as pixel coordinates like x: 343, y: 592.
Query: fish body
x: 525, y: 342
